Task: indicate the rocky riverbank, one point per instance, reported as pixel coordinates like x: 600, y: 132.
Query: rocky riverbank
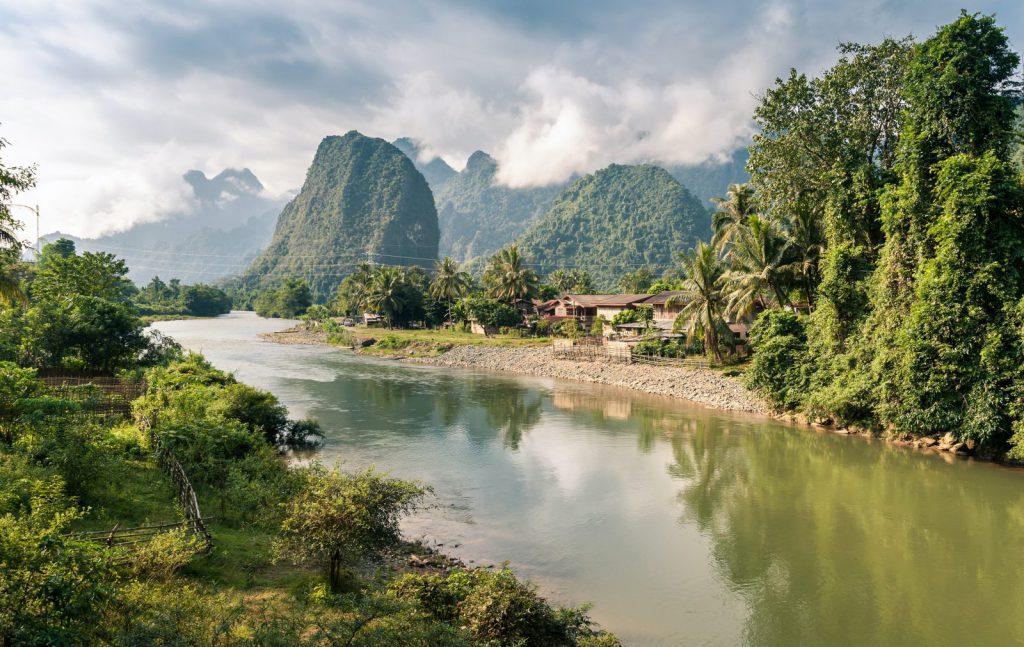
x: 703, y: 386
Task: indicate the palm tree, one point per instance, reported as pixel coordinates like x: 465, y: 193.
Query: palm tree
x: 731, y: 218
x: 703, y: 296
x: 450, y: 283
x: 508, y: 279
x: 803, y: 231
x: 758, y: 262
x: 386, y: 294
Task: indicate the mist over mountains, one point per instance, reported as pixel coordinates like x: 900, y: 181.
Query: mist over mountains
x: 230, y: 220
x: 366, y: 205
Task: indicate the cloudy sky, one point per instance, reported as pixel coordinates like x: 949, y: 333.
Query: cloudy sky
x: 115, y: 100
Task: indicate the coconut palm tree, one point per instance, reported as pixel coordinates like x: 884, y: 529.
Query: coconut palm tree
x: 508, y: 279
x: 703, y: 296
x: 758, y: 265
x: 803, y: 231
x: 387, y: 294
x: 731, y: 218
x: 450, y: 284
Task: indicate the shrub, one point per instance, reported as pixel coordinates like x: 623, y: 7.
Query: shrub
x: 499, y: 609
x: 778, y: 370
x: 391, y: 342
x: 163, y: 555
x: 570, y: 328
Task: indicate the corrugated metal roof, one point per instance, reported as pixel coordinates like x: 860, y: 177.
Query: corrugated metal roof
x: 605, y: 300
x: 660, y: 298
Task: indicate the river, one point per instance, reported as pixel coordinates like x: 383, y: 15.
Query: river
x: 684, y: 526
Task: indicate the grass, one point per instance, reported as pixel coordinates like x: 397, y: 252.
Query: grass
x: 429, y: 342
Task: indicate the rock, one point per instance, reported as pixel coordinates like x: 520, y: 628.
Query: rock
x: 960, y: 449
x: 928, y: 441
x: 416, y: 562
x: 366, y: 343
x: 947, y: 441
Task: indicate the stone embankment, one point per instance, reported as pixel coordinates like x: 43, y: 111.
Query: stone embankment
x: 703, y: 386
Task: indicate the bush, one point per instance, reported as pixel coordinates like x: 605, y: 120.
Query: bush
x: 391, y: 342
x: 499, y: 609
x: 570, y: 328
x: 163, y: 555
x: 778, y: 370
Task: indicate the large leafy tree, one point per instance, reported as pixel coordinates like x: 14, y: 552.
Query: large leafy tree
x: 703, y: 296
x: 508, y: 278
x: 13, y: 180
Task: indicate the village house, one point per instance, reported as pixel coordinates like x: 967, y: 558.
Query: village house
x: 587, y: 307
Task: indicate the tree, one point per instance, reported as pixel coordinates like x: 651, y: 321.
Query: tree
x: 338, y: 518
x: 13, y: 180
x: 574, y: 281
x: 205, y: 301
x: 702, y: 296
x: 758, y: 265
x: 731, y: 217
x: 290, y: 300
x: 638, y: 281
x: 450, y: 283
x: 491, y: 313
x: 507, y: 277
x: 387, y: 294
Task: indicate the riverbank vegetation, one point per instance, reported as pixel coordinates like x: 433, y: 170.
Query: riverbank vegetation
x: 903, y: 157
x: 99, y: 492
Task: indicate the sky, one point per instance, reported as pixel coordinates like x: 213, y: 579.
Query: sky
x: 115, y: 100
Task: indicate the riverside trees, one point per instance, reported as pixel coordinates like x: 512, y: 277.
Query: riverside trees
x: 904, y: 151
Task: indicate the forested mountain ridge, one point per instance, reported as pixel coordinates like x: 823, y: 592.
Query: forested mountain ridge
x: 363, y: 200
x: 477, y: 216
x: 615, y: 220
x: 712, y: 179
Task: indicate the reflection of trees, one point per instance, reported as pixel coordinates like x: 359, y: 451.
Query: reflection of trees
x: 511, y: 410
x: 835, y: 542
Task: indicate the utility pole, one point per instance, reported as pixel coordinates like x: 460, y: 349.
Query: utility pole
x: 35, y: 210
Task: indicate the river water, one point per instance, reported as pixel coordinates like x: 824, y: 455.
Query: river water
x: 683, y: 525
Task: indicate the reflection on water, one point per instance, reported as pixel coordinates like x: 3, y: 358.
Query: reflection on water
x: 684, y: 526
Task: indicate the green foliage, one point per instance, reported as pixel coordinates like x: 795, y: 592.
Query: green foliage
x: 499, y: 609
x: 574, y: 281
x: 569, y: 328
x: 363, y: 200
x: 609, y: 222
x: 917, y: 326
x: 638, y: 281
x: 199, y: 300
x: 338, y: 518
x: 52, y: 587
x: 288, y: 301
x: 391, y: 342
x: 778, y: 370
x: 508, y: 278
x: 489, y: 313
x: 625, y: 316
x: 597, y: 328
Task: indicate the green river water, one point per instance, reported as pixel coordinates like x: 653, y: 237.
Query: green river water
x: 683, y: 525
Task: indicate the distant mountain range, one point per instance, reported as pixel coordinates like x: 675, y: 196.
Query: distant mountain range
x: 231, y: 219
x: 365, y: 199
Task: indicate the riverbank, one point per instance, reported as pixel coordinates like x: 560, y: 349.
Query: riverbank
x: 703, y: 386
x: 532, y: 357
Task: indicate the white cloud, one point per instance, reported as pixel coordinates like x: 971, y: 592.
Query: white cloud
x: 115, y: 102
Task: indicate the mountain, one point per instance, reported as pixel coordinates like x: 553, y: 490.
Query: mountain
x: 478, y: 217
x: 712, y: 179
x: 230, y: 219
x: 363, y: 200
x: 435, y: 170
x: 615, y: 220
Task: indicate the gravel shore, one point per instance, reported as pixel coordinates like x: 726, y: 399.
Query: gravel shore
x: 697, y: 385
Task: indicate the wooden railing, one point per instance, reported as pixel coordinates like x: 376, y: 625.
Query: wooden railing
x: 118, y: 536
x: 97, y: 394
x: 595, y: 351
x: 186, y: 493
